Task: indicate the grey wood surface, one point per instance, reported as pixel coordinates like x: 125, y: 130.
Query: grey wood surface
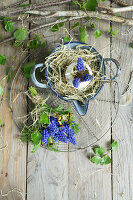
x: 49, y: 175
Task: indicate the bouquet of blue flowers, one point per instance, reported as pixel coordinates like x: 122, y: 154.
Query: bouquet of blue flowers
x: 49, y: 125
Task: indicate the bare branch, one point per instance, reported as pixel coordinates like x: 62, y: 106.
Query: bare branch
x: 13, y: 5
x: 124, y: 9
x: 82, y: 14
x: 34, y: 6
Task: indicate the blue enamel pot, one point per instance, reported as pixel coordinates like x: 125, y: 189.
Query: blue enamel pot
x: 80, y: 107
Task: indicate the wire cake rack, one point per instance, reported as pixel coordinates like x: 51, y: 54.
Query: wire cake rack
x: 101, y: 114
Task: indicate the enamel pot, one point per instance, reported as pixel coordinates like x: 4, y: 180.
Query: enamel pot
x: 80, y: 107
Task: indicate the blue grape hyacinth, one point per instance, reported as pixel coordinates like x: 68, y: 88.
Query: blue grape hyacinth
x: 76, y: 82
x: 80, y: 64
x: 87, y: 77
x: 45, y: 136
x: 63, y: 134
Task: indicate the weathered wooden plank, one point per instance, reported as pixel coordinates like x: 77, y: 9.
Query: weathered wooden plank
x: 122, y: 166
x: 86, y: 180
x: 48, y: 171
x: 13, y: 156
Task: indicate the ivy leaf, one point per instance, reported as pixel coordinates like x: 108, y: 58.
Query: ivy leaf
x: 2, y: 59
x: 55, y: 28
x: 112, y: 33
x: 61, y: 24
x: 10, y: 74
x: 105, y: 160
x: 114, y: 146
x: 59, y: 108
x: 1, y: 90
x: 8, y: 25
x: 74, y: 126
x: 97, y: 33
x: 20, y: 34
x: 90, y: 5
x: 44, y: 119
x: 66, y: 39
x: 99, y: 151
x: 27, y: 68
x: 43, y: 44
x: 83, y: 34
x: 96, y: 159
x: 33, y: 91
x: 75, y: 25
x: 36, y: 147
x: 36, y: 137
x: 74, y: 3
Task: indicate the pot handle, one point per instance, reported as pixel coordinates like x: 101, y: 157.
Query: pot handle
x: 33, y: 76
x: 80, y: 107
x: 117, y: 67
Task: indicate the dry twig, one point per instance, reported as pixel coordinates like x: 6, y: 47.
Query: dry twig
x: 82, y: 14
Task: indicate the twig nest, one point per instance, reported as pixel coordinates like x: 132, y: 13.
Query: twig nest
x: 79, y: 74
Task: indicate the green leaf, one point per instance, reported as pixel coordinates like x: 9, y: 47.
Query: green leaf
x: 25, y: 5
x: 27, y: 68
x: 1, y: 90
x: 105, y: 160
x: 112, y: 33
x: 35, y: 44
x: 74, y: 3
x: 33, y: 91
x: 55, y: 28
x: 99, y: 151
x: 66, y: 39
x: 8, y: 25
x: 2, y: 59
x: 44, y: 119
x: 59, y: 108
x: 10, y: 74
x: 17, y: 44
x: 38, y: 37
x: 102, y: 0
x: 61, y: 24
x: 97, y: 33
x: 96, y: 159
x: 75, y: 25
x: 88, y: 18
x: 1, y: 123
x: 43, y: 43
x: 20, y: 34
x: 90, y: 5
x: 131, y: 44
x: 114, y: 146
x: 74, y: 126
x: 92, y: 25
x: 36, y: 137
x: 36, y: 147
x: 83, y: 36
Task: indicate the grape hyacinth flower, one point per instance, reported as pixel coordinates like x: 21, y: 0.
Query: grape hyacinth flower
x: 45, y: 136
x: 80, y: 64
x: 63, y: 134
x: 87, y: 77
x: 76, y: 82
